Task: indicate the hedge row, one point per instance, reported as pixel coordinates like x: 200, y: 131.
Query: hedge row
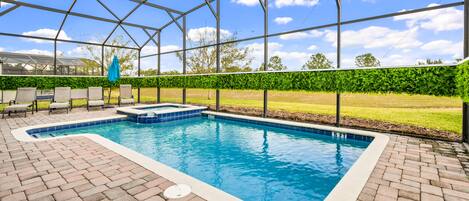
x: 438, y: 81
x: 462, y: 81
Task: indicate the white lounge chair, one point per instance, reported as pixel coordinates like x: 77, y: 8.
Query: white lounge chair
x: 95, y: 97
x: 62, y: 99
x: 25, y: 98
x: 125, y: 95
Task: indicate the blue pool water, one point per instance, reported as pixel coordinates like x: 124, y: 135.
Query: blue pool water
x: 250, y: 161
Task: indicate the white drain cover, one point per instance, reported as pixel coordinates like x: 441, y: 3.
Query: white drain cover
x: 177, y: 191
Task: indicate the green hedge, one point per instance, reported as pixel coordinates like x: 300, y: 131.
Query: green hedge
x: 462, y: 81
x: 438, y: 81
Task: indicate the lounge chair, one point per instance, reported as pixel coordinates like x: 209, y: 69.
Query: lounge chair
x: 25, y: 98
x: 125, y: 95
x: 95, y: 98
x: 62, y: 99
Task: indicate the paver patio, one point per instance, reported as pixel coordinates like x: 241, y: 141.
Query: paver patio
x: 419, y: 169
x: 72, y: 168
x: 79, y: 169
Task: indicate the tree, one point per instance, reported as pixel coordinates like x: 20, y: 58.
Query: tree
x: 126, y: 56
x: 367, y: 60
x: 149, y: 72
x: 317, y: 61
x: 203, y: 60
x: 430, y: 61
x: 171, y: 72
x: 91, y: 67
x: 275, y: 64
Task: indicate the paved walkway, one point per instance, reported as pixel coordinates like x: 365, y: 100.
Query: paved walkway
x: 79, y: 169
x: 418, y: 169
x: 70, y: 169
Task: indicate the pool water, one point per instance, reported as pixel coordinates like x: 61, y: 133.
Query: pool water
x: 158, y: 108
x: 249, y: 161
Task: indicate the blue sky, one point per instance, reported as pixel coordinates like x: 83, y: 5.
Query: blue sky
x: 395, y: 41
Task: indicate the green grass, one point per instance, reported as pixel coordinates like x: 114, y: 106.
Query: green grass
x: 443, y: 113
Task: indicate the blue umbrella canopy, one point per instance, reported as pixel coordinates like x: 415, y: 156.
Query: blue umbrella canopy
x: 113, y: 73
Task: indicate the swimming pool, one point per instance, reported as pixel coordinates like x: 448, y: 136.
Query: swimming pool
x: 251, y: 160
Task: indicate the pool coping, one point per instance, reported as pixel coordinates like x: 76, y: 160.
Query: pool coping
x: 200, y: 188
x: 134, y: 110
x: 348, y: 188
x: 353, y: 182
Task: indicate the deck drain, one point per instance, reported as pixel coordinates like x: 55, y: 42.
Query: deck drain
x: 177, y: 191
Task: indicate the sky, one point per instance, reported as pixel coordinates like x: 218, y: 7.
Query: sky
x: 402, y: 40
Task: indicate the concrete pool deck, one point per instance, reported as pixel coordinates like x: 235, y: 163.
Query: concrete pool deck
x: 79, y: 169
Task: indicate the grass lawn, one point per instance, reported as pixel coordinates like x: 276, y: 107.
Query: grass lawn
x: 443, y: 113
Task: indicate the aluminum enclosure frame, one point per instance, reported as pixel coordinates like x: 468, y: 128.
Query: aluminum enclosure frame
x: 177, y: 15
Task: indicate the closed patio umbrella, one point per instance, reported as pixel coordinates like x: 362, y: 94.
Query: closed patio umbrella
x: 113, y: 74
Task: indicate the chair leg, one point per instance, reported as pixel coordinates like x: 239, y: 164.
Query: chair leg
x: 25, y: 112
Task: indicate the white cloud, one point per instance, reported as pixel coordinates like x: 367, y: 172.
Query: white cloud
x: 257, y: 49
x: 444, y: 47
x: 47, y: 33
x: 316, y: 33
x: 37, y: 51
x: 201, y: 33
x: 246, y: 2
x: 377, y: 37
x: 398, y: 59
x: 295, y: 36
x: 4, y: 5
x: 312, y: 47
x: 283, y: 20
x: 2, y: 49
x: 299, y: 57
x: 167, y: 48
x: 446, y: 19
x: 77, y: 52
x: 151, y: 49
x: 283, y: 3
x: 303, y: 35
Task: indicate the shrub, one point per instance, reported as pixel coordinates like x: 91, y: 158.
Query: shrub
x: 438, y: 81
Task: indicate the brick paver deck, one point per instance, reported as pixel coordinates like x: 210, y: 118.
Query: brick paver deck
x: 418, y: 169
x: 72, y: 168
x: 79, y: 169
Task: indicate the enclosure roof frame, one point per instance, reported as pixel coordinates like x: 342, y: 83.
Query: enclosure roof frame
x: 117, y: 22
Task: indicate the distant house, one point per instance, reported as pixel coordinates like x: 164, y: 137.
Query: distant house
x: 35, y: 64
